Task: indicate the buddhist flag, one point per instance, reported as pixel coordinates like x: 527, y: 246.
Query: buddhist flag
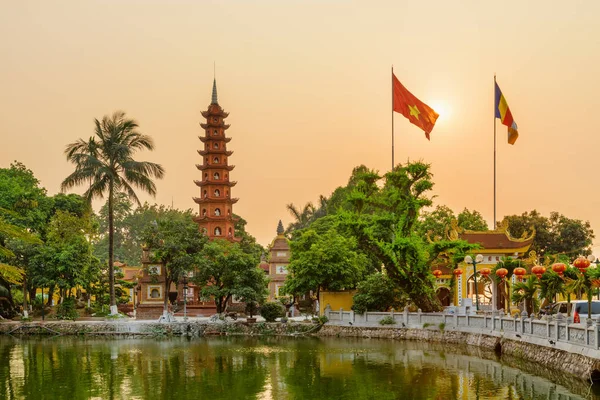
x: 503, y: 112
x: 417, y: 112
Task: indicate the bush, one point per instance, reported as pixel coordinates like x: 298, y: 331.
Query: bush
x: 387, y: 321
x: 272, y: 310
x: 67, y: 310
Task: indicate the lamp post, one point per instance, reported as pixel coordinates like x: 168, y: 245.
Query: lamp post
x: 185, y: 289
x: 469, y: 260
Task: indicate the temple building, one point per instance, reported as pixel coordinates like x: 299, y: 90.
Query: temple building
x: 279, y: 259
x: 494, y: 246
x: 215, y: 203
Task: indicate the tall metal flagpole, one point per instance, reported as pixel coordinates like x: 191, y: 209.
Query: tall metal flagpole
x: 495, y: 152
x: 392, y: 117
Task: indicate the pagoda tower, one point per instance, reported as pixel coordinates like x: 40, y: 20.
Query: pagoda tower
x: 215, y: 216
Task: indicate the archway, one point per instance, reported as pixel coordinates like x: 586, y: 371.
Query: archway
x: 444, y: 296
x: 484, y: 291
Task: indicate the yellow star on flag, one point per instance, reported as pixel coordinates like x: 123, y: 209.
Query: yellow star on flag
x: 414, y: 111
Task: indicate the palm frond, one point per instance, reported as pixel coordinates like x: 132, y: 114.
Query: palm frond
x: 11, y: 274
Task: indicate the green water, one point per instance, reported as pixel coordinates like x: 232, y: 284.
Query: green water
x: 266, y: 368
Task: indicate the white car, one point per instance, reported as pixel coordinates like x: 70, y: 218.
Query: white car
x: 581, y: 306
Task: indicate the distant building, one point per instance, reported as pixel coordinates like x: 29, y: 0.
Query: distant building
x: 495, y: 245
x: 279, y: 260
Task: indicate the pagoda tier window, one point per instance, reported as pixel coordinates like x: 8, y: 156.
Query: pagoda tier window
x: 216, y: 160
x: 216, y: 175
x: 217, y: 212
x: 228, y: 212
x: 217, y: 231
x: 230, y: 234
x: 217, y: 193
x: 227, y: 193
x: 215, y: 132
x: 215, y: 119
x: 204, y: 212
x: 205, y: 175
x: 225, y: 176
x: 205, y: 194
x: 216, y: 145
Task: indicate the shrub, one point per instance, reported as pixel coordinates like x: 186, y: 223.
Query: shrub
x: 67, y: 310
x: 323, y: 319
x: 387, y: 321
x: 272, y: 310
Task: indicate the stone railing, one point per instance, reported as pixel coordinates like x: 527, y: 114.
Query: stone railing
x: 551, y: 329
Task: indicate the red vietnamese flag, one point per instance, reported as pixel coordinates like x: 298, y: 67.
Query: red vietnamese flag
x: 417, y: 112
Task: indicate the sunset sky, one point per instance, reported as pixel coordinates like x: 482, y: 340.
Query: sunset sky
x: 308, y: 87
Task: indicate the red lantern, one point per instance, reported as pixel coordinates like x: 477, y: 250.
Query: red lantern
x: 485, y: 272
x: 520, y: 273
x: 538, y: 270
x: 581, y: 263
x: 437, y: 273
x: 501, y: 273
x: 559, y: 268
x: 457, y: 272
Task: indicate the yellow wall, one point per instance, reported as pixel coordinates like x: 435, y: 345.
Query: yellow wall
x: 336, y: 300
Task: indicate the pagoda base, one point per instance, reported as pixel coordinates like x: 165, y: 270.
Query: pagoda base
x: 149, y: 311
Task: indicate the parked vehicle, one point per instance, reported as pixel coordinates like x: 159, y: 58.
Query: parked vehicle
x: 581, y: 306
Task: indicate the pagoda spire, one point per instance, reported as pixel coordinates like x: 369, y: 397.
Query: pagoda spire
x: 280, y: 228
x: 214, y: 92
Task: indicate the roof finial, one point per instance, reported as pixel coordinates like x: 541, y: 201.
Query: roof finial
x: 280, y: 228
x: 214, y: 93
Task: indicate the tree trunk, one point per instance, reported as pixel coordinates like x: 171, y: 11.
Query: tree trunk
x: 166, y: 294
x: 111, y: 239
x: 50, y: 295
x: 218, y: 302
x: 25, y: 292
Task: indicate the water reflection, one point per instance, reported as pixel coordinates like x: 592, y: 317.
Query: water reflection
x: 262, y: 368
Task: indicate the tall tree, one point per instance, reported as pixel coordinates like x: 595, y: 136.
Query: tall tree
x: 325, y: 261
x: 225, y: 270
x: 175, y: 242
x: 471, y: 220
x: 555, y: 235
x: 105, y: 163
x: 384, y: 221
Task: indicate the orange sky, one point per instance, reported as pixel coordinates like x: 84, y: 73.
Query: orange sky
x: 307, y: 85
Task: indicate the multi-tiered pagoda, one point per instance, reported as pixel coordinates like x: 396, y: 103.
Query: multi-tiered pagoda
x: 215, y: 216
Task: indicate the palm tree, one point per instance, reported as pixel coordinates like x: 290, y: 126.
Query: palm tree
x: 526, y: 291
x: 303, y: 217
x: 106, y: 163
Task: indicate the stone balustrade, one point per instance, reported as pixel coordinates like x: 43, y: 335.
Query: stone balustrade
x: 550, y: 331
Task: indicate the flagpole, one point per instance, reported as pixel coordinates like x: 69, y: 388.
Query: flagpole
x: 392, y: 117
x: 495, y: 152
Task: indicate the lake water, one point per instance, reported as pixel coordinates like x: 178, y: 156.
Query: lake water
x: 268, y: 368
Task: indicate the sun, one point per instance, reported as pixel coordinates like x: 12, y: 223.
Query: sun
x: 443, y: 109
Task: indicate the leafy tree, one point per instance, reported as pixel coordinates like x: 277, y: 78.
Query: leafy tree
x: 471, y: 220
x: 383, y: 220
x: 325, y: 261
x: 435, y: 223
x: 225, y: 270
x: 554, y: 235
x: 67, y: 253
x: 175, y: 242
x: 105, y: 163
x: 24, y: 202
x: 377, y: 293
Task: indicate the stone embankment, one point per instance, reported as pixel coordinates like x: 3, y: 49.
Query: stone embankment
x: 155, y: 329
x: 581, y: 366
